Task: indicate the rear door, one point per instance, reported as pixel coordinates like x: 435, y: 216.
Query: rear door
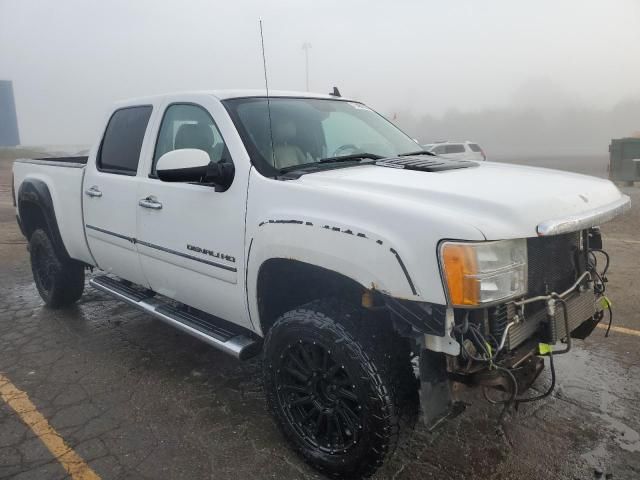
x: 190, y: 235
x: 110, y: 200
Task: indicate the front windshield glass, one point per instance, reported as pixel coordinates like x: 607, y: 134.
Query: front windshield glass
x: 306, y: 131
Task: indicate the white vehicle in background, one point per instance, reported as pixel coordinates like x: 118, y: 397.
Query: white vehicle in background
x: 457, y: 150
x: 310, y: 230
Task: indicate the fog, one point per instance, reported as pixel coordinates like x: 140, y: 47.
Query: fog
x: 538, y: 77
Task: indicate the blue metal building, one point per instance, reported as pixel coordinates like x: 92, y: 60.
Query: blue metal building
x: 9, y: 135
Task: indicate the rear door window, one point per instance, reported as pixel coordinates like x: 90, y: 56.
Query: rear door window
x: 474, y: 147
x: 454, y: 148
x: 122, y: 142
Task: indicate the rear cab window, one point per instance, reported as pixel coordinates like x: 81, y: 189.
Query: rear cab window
x: 120, y: 149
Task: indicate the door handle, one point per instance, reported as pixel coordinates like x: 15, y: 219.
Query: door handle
x: 150, y: 202
x: 93, y: 191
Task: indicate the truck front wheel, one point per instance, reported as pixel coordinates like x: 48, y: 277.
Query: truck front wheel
x: 60, y: 281
x: 327, y: 381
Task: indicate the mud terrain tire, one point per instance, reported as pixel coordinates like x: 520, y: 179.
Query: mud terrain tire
x: 59, y: 281
x: 328, y: 376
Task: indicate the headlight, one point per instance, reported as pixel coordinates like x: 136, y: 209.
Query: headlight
x: 484, y: 272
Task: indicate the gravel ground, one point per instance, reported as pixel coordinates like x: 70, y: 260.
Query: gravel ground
x: 137, y: 399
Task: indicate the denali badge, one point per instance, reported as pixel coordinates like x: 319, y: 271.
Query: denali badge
x: 223, y: 256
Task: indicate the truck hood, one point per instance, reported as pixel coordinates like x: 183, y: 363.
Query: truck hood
x: 501, y: 200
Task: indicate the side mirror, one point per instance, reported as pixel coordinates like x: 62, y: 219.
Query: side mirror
x: 184, y: 165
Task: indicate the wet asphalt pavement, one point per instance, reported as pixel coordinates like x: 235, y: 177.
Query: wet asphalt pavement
x: 137, y: 399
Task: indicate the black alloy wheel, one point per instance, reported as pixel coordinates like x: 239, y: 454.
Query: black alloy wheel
x: 329, y: 383
x: 318, y: 396
x: 44, y: 268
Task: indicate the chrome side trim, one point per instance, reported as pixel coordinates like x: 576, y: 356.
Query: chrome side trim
x: 162, y: 249
x: 184, y: 255
x: 109, y: 232
x: 239, y: 346
x: 590, y: 218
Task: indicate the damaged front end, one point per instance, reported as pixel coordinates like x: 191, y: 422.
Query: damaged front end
x: 556, y: 293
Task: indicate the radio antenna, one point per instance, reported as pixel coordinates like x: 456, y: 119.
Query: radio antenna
x: 266, y: 85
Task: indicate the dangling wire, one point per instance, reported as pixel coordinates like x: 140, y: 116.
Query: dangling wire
x: 549, y: 390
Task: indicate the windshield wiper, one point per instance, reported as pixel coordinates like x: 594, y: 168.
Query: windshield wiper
x: 418, y: 152
x: 353, y: 156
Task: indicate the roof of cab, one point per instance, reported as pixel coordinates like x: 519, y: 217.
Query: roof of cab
x: 229, y: 94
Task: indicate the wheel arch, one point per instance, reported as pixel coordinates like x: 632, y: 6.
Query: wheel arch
x: 285, y: 283
x: 36, y: 210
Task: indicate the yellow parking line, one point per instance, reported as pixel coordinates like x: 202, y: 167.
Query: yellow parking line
x: 26, y: 410
x: 628, y: 331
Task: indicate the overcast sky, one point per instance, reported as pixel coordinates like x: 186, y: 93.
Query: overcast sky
x: 70, y: 59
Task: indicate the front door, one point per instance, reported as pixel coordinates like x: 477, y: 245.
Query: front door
x: 110, y: 194
x: 191, y: 236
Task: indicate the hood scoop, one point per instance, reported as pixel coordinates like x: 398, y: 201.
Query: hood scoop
x: 422, y: 164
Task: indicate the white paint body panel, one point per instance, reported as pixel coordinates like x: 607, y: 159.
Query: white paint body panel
x: 379, y: 226
x: 501, y: 200
x: 65, y: 186
x: 197, y: 215
x: 113, y: 212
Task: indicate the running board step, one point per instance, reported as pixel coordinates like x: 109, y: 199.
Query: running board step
x: 123, y: 288
x: 216, y: 332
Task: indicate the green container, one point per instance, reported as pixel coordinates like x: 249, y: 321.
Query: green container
x: 624, y: 160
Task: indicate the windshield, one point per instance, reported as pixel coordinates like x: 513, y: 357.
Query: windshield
x: 305, y: 131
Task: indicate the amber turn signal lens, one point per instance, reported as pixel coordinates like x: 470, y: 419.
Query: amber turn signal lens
x: 480, y: 273
x: 460, y: 268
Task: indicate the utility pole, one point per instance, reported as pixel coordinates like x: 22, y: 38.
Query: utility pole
x: 306, y: 46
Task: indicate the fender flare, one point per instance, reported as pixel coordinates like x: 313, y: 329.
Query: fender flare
x: 296, y: 245
x: 381, y: 267
x: 36, y: 193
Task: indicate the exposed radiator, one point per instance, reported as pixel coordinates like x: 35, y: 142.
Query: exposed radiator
x: 580, y: 307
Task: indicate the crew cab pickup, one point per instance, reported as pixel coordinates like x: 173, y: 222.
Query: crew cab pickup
x: 369, y: 274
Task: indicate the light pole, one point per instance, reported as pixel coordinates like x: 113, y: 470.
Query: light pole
x: 306, y: 46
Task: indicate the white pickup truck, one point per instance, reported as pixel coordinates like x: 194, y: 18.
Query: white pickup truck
x: 369, y: 274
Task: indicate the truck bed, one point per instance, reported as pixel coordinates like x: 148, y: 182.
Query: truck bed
x: 63, y: 177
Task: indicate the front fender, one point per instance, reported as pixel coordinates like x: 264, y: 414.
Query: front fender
x: 360, y: 256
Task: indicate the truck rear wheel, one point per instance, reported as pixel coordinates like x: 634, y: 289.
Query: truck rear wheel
x: 60, y: 281
x: 328, y: 384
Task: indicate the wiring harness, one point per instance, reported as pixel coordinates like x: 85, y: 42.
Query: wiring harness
x: 485, y: 348
x: 600, y: 283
